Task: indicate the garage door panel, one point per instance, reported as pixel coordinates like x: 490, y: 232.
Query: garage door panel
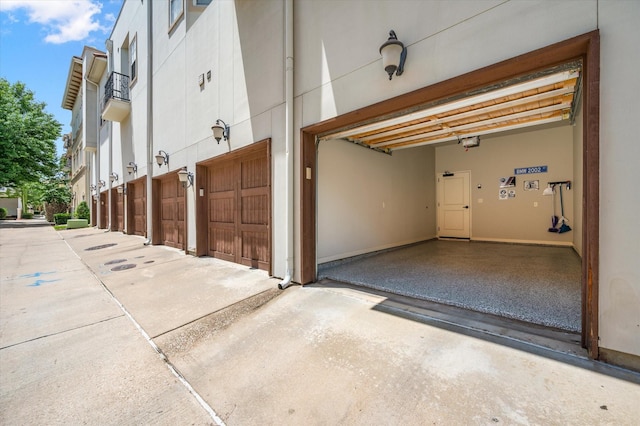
x: 222, y: 210
x: 172, y: 219
x: 119, y: 211
x: 254, y: 173
x: 222, y: 240
x: 168, y: 210
x: 255, y: 249
x: 255, y: 209
x: 137, y: 201
x: 222, y: 177
x: 239, y: 208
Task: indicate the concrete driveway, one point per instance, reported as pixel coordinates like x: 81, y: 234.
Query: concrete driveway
x: 256, y: 355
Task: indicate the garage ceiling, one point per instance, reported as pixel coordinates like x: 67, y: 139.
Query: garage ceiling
x: 544, y: 97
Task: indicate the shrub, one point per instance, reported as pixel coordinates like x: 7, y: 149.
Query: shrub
x: 61, y: 218
x: 83, y: 212
x: 3, y: 213
x: 27, y: 215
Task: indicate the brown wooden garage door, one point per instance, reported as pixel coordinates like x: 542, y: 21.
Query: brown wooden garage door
x: 94, y: 210
x: 137, y: 207
x: 239, y: 201
x: 104, y: 210
x: 117, y: 214
x: 169, y: 196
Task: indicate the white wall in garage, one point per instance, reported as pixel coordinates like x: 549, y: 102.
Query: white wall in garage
x: 370, y: 201
x: 516, y: 219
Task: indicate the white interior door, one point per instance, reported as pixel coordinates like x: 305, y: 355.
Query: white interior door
x: 454, y: 205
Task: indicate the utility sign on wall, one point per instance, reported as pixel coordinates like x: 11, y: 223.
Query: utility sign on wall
x: 530, y: 170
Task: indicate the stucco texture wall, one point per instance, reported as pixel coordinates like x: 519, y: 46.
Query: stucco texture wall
x: 370, y: 201
x: 619, y: 195
x: 515, y: 219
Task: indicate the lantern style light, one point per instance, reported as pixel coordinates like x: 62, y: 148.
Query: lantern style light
x: 220, y: 131
x: 393, y: 55
x: 185, y: 177
x: 132, y: 167
x: 162, y: 158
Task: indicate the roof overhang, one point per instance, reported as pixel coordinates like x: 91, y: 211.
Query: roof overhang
x: 544, y: 97
x: 96, y: 65
x: 74, y: 83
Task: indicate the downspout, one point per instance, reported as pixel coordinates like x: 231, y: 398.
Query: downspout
x: 109, y: 44
x: 150, y: 156
x: 288, y: 35
x: 97, y: 151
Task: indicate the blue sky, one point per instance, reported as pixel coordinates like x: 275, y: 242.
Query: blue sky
x: 39, y: 37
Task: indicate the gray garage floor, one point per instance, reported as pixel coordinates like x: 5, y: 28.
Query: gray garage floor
x: 536, y: 284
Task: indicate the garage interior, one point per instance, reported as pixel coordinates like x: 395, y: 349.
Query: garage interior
x: 386, y: 220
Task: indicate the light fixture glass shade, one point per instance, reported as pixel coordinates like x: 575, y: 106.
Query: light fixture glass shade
x: 218, y: 131
x: 160, y: 159
x: 131, y: 167
x: 120, y: 189
x: 391, y: 52
x: 183, y: 175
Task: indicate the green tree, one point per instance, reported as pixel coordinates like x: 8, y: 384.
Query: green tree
x: 83, y: 212
x: 27, y: 137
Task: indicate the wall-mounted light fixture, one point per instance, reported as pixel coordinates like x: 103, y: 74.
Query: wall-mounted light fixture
x: 101, y: 183
x: 393, y: 55
x: 220, y: 131
x: 162, y: 158
x: 93, y: 188
x: 120, y: 189
x: 113, y: 177
x: 132, y: 167
x: 185, y: 177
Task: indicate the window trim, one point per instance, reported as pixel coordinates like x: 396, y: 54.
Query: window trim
x: 174, y: 23
x: 133, y: 52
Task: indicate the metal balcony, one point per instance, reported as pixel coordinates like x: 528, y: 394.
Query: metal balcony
x: 116, y: 105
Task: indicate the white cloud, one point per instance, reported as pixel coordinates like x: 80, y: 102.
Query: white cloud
x: 63, y: 20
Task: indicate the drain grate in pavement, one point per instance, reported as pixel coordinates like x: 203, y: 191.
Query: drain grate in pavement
x: 123, y: 267
x: 115, y: 261
x: 100, y: 246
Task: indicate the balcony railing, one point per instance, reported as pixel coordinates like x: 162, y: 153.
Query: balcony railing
x: 116, y: 105
x: 117, y: 87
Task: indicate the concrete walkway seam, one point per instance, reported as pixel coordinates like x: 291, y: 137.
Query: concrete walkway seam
x: 210, y: 313
x: 60, y: 332
x: 214, y: 416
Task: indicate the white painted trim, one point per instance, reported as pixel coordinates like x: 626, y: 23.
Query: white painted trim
x: 372, y: 249
x: 532, y: 242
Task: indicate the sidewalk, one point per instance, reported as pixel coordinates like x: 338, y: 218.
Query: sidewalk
x: 68, y: 354
x: 256, y: 355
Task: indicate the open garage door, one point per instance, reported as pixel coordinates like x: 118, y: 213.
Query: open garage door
x: 449, y: 112
x: 137, y: 207
x: 238, y: 207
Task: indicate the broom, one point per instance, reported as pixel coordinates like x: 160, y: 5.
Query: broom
x: 563, y: 227
x: 554, y: 219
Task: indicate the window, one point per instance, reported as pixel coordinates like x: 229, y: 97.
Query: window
x: 201, y: 2
x: 176, y: 9
x: 133, y: 59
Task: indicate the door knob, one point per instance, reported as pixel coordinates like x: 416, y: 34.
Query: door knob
x: 465, y: 207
